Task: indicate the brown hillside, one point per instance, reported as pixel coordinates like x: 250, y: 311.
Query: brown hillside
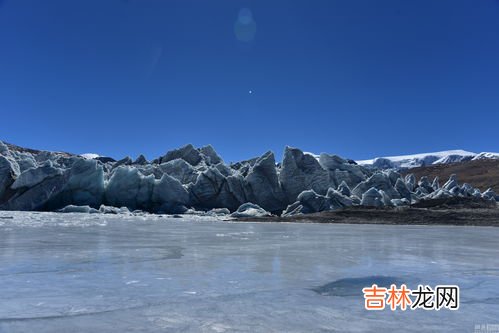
x: 481, y: 174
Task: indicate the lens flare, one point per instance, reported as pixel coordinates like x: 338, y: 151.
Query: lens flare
x: 245, y: 26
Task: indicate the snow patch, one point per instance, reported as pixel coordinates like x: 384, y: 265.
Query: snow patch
x: 486, y: 155
x: 90, y: 156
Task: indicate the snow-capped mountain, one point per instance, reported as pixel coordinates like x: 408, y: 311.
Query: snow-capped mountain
x: 89, y: 156
x: 425, y: 159
x: 486, y: 155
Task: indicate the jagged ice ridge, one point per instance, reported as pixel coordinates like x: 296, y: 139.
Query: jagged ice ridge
x: 194, y: 180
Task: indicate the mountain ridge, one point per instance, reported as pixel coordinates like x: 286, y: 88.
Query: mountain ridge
x: 426, y: 159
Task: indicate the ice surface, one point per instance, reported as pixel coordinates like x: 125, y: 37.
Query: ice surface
x: 109, y: 273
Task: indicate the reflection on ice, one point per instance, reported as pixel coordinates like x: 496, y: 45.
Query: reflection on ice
x: 100, y: 273
x: 353, y: 286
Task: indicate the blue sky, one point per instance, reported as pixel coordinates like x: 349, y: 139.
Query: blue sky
x: 359, y: 78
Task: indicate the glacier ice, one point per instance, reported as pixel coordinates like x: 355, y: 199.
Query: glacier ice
x: 372, y: 198
x: 344, y: 189
x: 169, y: 195
x: 9, y: 171
x: 436, y: 183
x: 141, y: 160
x: 128, y: 187
x: 301, y: 172
x: 313, y: 202
x: 78, y: 209
x: 262, y: 184
x: 380, y: 181
x: 451, y: 183
x: 402, y: 189
x: 180, y: 169
x: 210, y: 155
x: 36, y: 175
x: 490, y: 194
x: 84, y: 186
x: 188, y: 153
x: 250, y: 210
x: 36, y: 197
x: 192, y: 179
x: 338, y: 200
x: 211, y: 190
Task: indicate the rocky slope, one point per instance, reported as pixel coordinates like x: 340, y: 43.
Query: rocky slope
x: 398, y: 215
x: 480, y: 173
x: 190, y: 179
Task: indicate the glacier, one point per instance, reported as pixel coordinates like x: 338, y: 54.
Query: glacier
x: 190, y: 179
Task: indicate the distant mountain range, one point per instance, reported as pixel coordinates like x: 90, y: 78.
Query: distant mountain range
x: 426, y: 159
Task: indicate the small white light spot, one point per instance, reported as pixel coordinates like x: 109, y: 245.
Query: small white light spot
x: 251, y: 91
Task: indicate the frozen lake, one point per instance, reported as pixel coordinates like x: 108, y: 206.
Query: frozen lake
x: 96, y: 273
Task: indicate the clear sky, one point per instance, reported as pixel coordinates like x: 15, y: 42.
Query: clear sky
x: 359, y: 78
